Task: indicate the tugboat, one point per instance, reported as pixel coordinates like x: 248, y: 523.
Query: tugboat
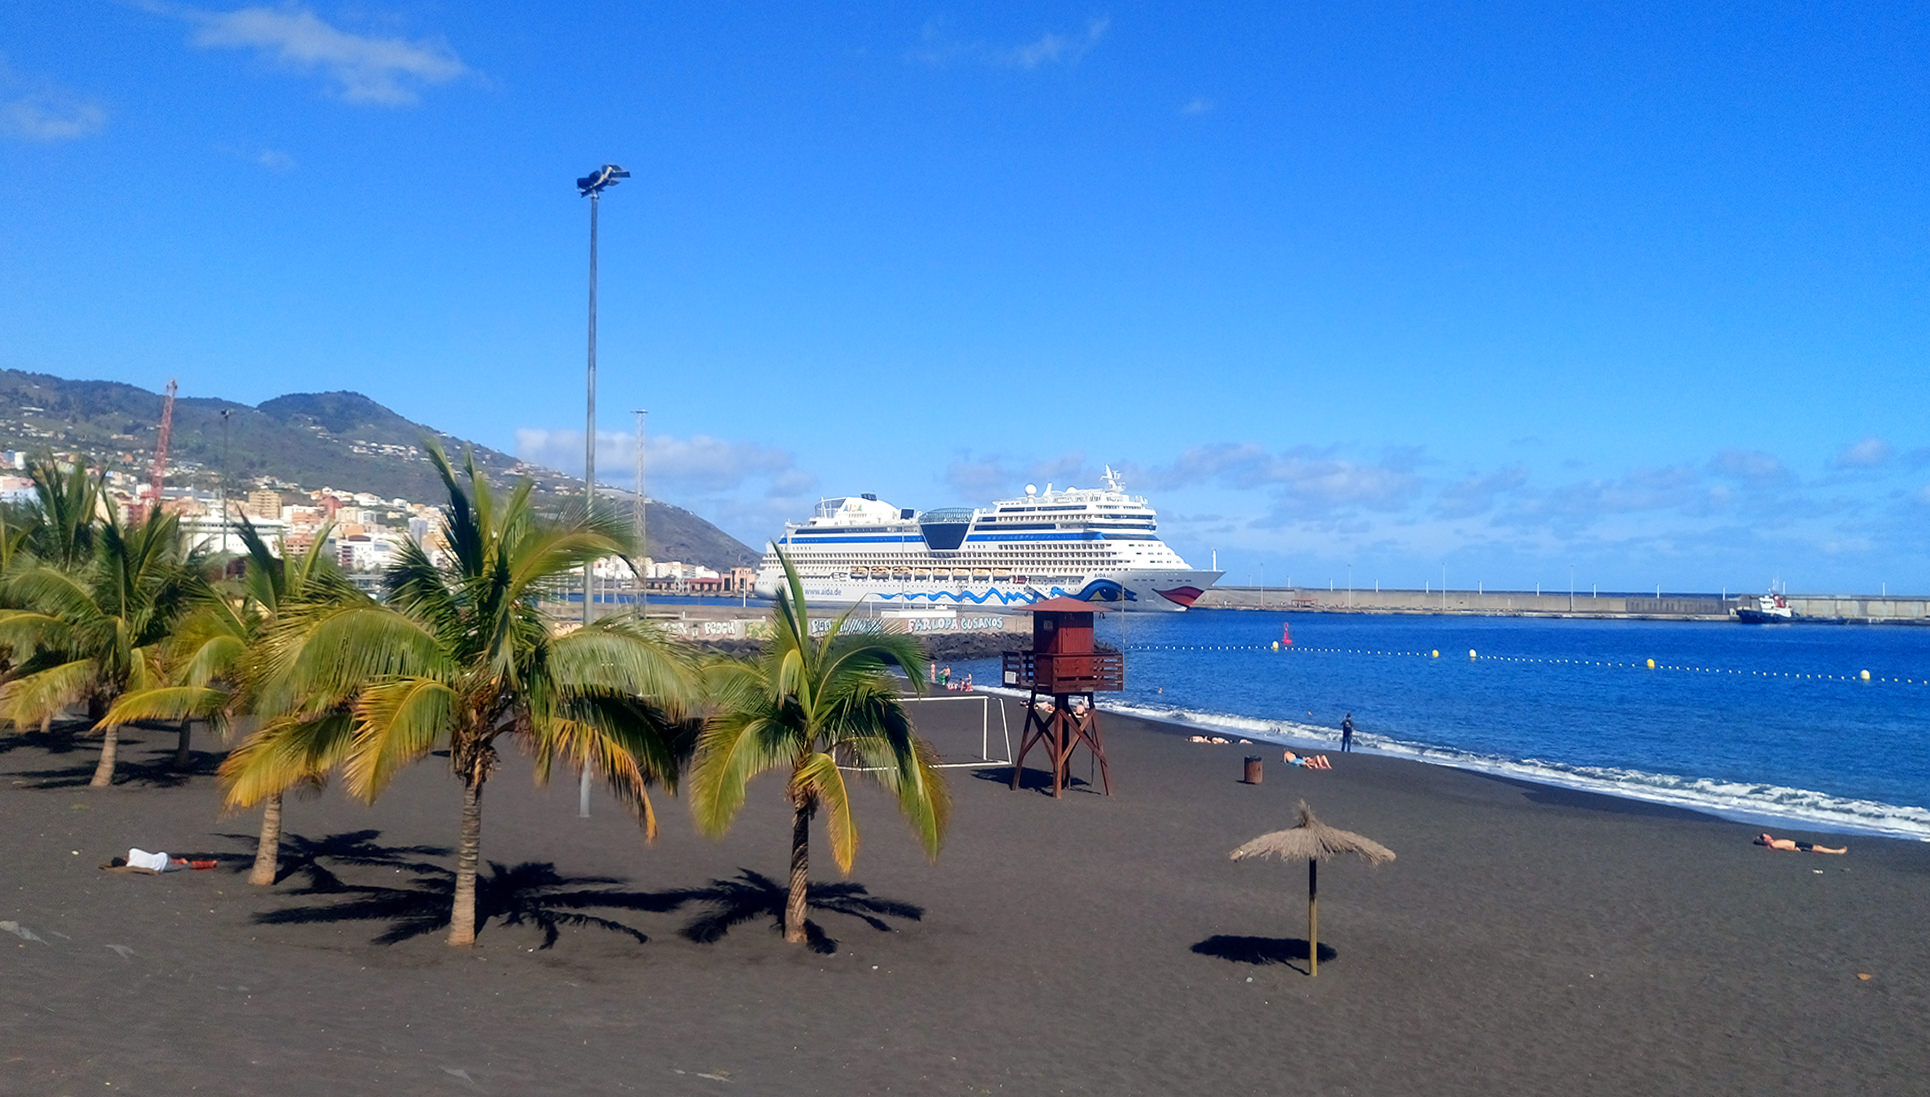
x: 1770, y: 609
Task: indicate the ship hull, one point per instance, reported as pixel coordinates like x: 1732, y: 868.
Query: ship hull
x: 1153, y: 591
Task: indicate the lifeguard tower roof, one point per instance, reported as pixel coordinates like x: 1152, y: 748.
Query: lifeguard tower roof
x: 1062, y: 604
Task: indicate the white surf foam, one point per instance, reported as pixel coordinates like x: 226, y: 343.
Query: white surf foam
x: 1737, y: 800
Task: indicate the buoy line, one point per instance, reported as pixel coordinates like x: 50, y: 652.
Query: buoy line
x: 1474, y: 656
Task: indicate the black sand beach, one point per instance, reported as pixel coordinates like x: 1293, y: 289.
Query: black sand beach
x: 1528, y: 940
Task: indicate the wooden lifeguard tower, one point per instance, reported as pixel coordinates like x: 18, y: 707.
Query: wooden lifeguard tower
x: 1063, y: 664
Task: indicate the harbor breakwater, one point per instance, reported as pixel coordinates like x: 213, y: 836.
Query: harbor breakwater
x: 1853, y: 608
x: 726, y: 621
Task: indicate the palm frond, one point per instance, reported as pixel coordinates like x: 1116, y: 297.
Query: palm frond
x: 283, y: 754
x: 29, y: 698
x: 27, y: 633
x: 165, y: 703
x: 618, y: 656
x: 819, y: 774
x: 924, y: 799
x: 735, y: 746
x: 56, y: 592
x: 325, y: 656
x: 396, y: 722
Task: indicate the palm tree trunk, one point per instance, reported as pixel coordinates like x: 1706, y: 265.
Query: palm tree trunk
x: 268, y: 850
x: 800, y: 873
x: 462, y: 916
x: 181, y: 744
x: 110, y: 746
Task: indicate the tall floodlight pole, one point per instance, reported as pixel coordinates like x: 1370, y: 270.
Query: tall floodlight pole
x: 225, y: 412
x: 643, y: 548
x: 591, y: 186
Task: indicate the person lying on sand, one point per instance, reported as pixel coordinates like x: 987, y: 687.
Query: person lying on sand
x: 1310, y: 761
x: 140, y: 861
x: 1790, y: 845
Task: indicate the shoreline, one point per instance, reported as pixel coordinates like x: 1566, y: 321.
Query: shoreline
x: 1683, y: 796
x: 1575, y: 779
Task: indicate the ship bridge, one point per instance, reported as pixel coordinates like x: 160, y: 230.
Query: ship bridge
x: 944, y: 529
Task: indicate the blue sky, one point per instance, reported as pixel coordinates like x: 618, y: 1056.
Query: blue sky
x: 1508, y: 291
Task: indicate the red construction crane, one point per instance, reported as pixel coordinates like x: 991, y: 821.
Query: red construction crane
x: 161, y: 451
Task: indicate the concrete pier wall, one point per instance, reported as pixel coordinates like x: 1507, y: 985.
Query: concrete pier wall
x: 1709, y: 607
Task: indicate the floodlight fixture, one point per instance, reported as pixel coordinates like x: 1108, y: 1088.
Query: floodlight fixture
x: 596, y: 181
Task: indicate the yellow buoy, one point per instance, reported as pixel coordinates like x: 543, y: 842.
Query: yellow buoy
x: 1865, y: 676
x: 1435, y: 654
x: 1276, y: 645
x: 1651, y: 664
x: 1470, y: 653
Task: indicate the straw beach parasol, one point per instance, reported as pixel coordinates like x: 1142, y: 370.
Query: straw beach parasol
x: 1316, y: 841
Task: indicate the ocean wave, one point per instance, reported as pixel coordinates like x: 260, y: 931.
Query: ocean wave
x: 1737, y: 800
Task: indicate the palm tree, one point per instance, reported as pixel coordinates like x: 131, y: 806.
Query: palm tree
x: 216, y: 651
x: 89, y: 632
x: 460, y: 657
x: 66, y: 514
x: 58, y: 527
x: 813, y: 704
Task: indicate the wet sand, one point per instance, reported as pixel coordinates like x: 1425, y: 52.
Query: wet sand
x: 1527, y: 940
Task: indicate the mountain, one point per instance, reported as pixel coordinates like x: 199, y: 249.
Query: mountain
x: 340, y: 440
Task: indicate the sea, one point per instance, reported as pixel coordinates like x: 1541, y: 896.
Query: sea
x: 1820, y: 727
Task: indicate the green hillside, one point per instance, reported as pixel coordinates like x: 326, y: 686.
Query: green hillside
x: 341, y: 440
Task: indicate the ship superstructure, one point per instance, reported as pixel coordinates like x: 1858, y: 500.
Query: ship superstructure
x: 1093, y: 544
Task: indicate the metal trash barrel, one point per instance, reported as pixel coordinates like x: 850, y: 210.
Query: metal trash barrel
x: 1252, y: 770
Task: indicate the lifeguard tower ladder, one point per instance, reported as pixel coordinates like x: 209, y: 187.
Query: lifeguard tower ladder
x: 1063, y: 664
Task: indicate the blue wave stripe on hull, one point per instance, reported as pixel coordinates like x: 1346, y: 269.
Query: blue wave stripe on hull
x: 1099, y: 590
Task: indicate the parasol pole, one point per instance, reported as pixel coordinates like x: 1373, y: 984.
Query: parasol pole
x: 1313, y: 918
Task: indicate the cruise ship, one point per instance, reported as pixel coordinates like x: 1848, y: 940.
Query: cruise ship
x: 1092, y: 544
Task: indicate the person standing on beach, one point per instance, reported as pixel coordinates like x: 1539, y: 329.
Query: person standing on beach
x: 1347, y: 733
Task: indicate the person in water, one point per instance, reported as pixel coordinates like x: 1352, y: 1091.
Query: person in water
x: 1790, y: 845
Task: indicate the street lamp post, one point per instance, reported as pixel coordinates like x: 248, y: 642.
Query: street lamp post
x: 643, y: 549
x: 592, y: 186
x: 225, y: 412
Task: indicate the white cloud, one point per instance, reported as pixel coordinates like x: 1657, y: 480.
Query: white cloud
x: 1302, y: 476
x: 699, y: 464
x: 1869, y: 453
x: 1750, y: 466
x: 386, y: 71
x: 979, y: 480
x: 34, y: 110
x: 275, y: 160
x: 1054, y: 49
x: 1197, y: 105
x: 938, y: 49
x: 1477, y: 495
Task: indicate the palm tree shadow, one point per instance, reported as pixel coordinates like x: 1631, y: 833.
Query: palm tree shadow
x: 531, y: 894
x: 163, y: 773
x: 62, y: 738
x: 753, y: 895
x: 159, y: 773
x: 68, y: 777
x: 1261, y: 950
x: 308, y: 858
